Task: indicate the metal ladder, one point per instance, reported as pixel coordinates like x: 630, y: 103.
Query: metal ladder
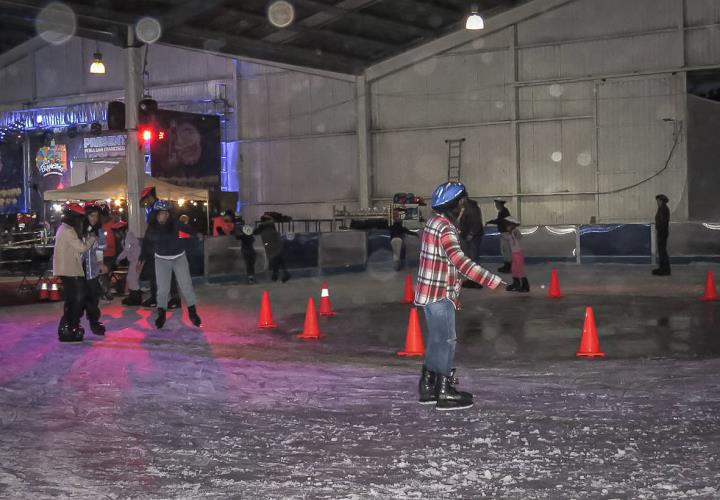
x: 454, y: 158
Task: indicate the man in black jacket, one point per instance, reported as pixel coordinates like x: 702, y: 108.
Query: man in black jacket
x: 662, y: 228
x: 471, y: 233
x: 503, y: 213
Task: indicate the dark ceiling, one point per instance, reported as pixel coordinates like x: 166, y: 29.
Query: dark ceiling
x: 344, y: 36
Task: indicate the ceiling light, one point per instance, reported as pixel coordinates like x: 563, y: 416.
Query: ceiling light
x: 97, y: 67
x: 474, y: 20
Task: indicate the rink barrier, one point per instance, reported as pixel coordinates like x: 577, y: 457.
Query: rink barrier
x: 313, y: 254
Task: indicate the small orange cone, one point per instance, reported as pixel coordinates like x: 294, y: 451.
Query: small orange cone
x: 554, y: 291
x: 409, y: 296
x: 326, y: 309
x: 266, y: 318
x: 413, y: 339
x: 311, y: 330
x: 589, y: 343
x: 710, y: 290
x: 43, y: 294
x: 54, y: 290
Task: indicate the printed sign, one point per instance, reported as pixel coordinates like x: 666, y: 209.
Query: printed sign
x: 52, y: 160
x: 106, y: 146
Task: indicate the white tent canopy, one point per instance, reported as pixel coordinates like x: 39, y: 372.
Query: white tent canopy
x: 113, y: 184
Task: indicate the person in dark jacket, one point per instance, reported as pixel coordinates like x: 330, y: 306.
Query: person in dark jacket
x: 662, y: 228
x: 397, y: 241
x: 94, y: 267
x: 247, y: 247
x: 471, y: 233
x: 162, y: 241
x: 503, y: 213
x: 274, y: 248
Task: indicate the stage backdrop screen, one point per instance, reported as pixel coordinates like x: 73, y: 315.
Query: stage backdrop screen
x: 186, y: 150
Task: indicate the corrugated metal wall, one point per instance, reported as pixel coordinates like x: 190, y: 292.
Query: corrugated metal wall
x: 573, y: 134
x: 298, y: 142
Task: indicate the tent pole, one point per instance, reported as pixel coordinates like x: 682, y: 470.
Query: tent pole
x: 133, y: 153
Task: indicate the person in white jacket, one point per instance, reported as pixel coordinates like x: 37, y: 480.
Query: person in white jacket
x: 68, y: 266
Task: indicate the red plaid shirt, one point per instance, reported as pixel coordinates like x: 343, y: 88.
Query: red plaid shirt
x: 441, y: 260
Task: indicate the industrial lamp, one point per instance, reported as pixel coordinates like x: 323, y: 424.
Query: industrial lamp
x: 474, y: 20
x: 97, y: 67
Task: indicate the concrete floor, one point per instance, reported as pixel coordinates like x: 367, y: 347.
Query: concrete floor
x: 230, y: 411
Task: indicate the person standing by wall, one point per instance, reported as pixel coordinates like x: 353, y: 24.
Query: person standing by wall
x: 94, y: 266
x: 514, y: 236
x: 397, y: 241
x: 471, y: 233
x: 247, y: 247
x: 274, y: 247
x: 163, y: 242
x: 67, y: 265
x: 224, y: 224
x: 503, y: 213
x: 662, y: 228
x: 438, y: 292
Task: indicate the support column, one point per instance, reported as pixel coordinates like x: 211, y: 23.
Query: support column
x: 364, y: 144
x: 133, y: 153
x: 515, y: 126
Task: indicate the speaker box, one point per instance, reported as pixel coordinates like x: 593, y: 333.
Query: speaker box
x: 146, y: 110
x: 116, y: 115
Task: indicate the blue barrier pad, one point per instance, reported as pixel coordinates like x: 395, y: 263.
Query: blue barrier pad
x: 615, y: 240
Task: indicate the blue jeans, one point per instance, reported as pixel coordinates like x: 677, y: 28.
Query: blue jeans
x: 441, y: 339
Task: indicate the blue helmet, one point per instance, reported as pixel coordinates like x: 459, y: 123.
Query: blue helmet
x: 161, y: 206
x: 447, y: 193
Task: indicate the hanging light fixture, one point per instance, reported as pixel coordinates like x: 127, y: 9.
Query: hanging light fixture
x: 474, y: 20
x: 97, y: 67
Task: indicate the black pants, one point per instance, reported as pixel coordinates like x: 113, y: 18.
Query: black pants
x: 249, y: 263
x: 663, y: 257
x: 93, y: 293
x: 277, y: 264
x: 74, y: 291
x: 471, y: 247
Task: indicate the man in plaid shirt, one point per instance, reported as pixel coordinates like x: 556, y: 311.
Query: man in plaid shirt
x: 438, y: 292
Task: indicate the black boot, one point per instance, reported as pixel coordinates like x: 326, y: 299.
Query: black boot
x: 97, y: 328
x: 160, y: 320
x: 505, y: 268
x: 251, y: 280
x: 515, y: 286
x: 194, y: 318
x: 134, y: 298
x: 68, y: 334
x: 150, y: 302
x: 448, y: 398
x: 286, y: 277
x: 525, y: 288
x: 426, y: 387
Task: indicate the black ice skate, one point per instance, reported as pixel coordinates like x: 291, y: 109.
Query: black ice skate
x: 194, y: 318
x: 160, y: 320
x: 426, y: 387
x: 515, y: 286
x: 448, y: 398
x: 134, y: 298
x: 97, y: 328
x: 525, y: 287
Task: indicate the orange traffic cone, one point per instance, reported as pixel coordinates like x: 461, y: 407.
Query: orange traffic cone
x: 43, y: 294
x: 310, y: 331
x: 325, y: 305
x: 554, y: 291
x: 710, y: 291
x: 409, y: 296
x: 54, y: 291
x: 413, y: 339
x: 589, y: 343
x: 266, y: 319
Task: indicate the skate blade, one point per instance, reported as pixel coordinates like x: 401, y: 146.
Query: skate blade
x: 455, y: 408
x: 427, y: 402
